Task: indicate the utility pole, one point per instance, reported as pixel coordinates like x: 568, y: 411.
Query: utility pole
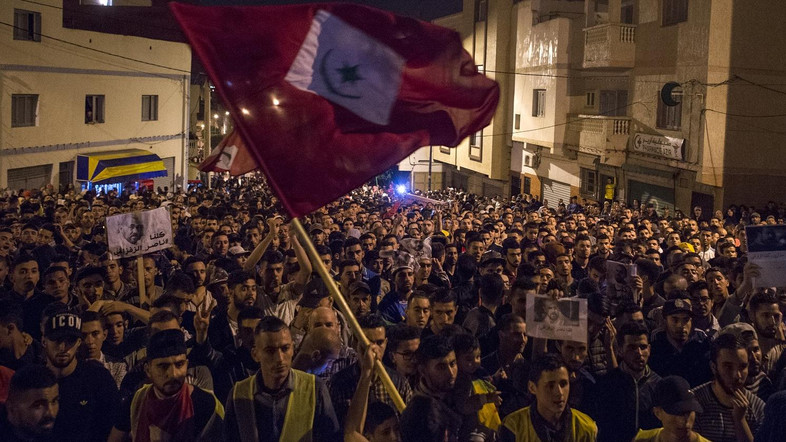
x: 430, y: 161
x: 206, y: 121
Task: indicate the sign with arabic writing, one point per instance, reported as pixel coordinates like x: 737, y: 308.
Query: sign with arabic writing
x: 138, y: 233
x: 666, y: 147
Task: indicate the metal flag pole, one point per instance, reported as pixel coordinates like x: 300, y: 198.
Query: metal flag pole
x: 339, y: 300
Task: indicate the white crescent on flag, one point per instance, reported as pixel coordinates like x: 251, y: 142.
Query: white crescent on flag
x: 348, y: 68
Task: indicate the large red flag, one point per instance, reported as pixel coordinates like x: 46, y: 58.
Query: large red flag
x: 327, y: 96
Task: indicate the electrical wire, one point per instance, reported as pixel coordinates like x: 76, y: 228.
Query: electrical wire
x: 59, y: 40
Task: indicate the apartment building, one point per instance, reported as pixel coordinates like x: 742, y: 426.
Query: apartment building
x: 91, y: 107
x: 677, y: 103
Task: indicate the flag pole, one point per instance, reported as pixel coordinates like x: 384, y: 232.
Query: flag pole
x: 339, y: 300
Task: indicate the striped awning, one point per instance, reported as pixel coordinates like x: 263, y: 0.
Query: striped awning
x: 119, y: 166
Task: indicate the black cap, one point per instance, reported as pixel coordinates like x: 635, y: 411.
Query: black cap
x: 63, y: 325
x: 166, y: 343
x: 491, y: 257
x: 359, y: 285
x: 678, y: 305
x: 673, y: 395
x: 315, y: 291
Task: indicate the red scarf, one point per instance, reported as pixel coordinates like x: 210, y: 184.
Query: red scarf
x: 170, y: 418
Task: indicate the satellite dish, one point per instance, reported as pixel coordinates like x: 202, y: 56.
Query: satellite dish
x: 668, y: 96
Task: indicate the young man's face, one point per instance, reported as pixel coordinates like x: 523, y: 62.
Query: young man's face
x: 635, y: 352
x: 679, y: 326
x: 440, y: 374
x: 418, y: 312
x: 551, y: 391
x: 404, y: 357
x: 116, y: 328
x: 167, y: 374
x: 34, y: 411
x: 93, y: 337
x: 442, y: 314
x: 731, y: 369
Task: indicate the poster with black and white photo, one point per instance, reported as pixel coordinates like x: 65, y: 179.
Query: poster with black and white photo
x: 138, y: 233
x: 619, y: 277
x: 560, y: 319
x: 767, y: 249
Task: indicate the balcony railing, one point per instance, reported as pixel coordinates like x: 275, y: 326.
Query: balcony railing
x: 599, y: 134
x: 610, y: 45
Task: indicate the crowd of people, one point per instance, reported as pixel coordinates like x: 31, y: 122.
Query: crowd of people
x: 231, y: 335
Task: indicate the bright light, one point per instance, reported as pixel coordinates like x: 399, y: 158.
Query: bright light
x: 215, y: 116
x: 276, y: 102
x: 202, y: 126
x: 226, y: 113
x: 401, y: 189
x: 245, y: 111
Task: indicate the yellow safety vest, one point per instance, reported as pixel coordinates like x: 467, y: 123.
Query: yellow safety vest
x: 582, y: 427
x: 653, y: 436
x: 139, y: 401
x: 301, y: 407
x: 488, y: 416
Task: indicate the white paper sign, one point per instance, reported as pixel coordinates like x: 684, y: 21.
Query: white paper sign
x: 767, y: 249
x: 560, y: 319
x: 138, y: 233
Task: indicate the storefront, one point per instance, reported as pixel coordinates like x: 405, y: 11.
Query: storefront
x: 104, y: 171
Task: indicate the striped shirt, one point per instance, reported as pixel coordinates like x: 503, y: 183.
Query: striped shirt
x: 716, y: 423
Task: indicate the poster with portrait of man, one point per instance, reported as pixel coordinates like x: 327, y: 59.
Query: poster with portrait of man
x: 559, y: 319
x: 138, y: 233
x: 619, y: 282
x: 767, y: 249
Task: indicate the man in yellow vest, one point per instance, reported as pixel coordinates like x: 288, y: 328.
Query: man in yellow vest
x: 550, y: 418
x: 279, y: 403
x: 169, y: 409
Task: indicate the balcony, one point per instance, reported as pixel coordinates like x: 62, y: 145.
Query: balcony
x: 610, y: 45
x: 599, y: 135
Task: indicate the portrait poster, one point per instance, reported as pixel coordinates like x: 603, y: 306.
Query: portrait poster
x: 138, y: 233
x: 559, y: 319
x: 619, y: 277
x: 767, y: 249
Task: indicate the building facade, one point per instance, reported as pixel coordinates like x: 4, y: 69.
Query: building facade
x: 67, y: 92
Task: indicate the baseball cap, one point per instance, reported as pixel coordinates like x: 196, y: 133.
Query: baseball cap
x: 62, y: 326
x: 315, y: 291
x: 316, y: 227
x: 679, y: 305
x: 237, y: 251
x: 166, y: 343
x: 359, y: 285
x: 491, y: 257
x: 673, y: 395
x: 737, y: 329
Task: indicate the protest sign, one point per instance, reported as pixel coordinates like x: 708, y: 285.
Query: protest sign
x: 563, y: 319
x: 138, y: 233
x: 767, y: 249
x: 619, y: 278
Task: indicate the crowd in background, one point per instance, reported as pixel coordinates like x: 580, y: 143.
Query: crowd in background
x: 230, y: 334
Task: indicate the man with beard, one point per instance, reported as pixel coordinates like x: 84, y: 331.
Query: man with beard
x: 767, y: 319
x: 32, y: 406
x: 88, y: 394
x: 223, y: 332
x: 280, y: 299
x: 623, y: 398
x: 278, y: 402
x: 169, y: 408
x: 438, y: 370
x: 133, y: 231
x: 394, y: 305
x: 731, y: 413
x: 511, y: 251
x: 195, y: 267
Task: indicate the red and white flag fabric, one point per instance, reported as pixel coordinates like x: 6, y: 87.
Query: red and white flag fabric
x: 231, y: 155
x: 326, y: 96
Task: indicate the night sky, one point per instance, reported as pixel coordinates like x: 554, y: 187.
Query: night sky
x: 422, y: 9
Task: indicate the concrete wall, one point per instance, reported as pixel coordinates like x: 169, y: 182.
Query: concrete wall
x: 62, y: 74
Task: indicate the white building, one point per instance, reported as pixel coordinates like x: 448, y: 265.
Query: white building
x: 69, y: 93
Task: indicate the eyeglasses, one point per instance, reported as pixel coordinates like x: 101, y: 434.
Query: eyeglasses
x: 408, y: 355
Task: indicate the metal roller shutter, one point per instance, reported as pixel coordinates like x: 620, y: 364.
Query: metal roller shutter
x: 554, y: 191
x: 34, y: 177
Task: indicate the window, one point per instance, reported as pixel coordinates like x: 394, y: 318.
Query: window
x: 517, y: 121
x: 674, y: 11
x: 614, y: 103
x: 538, y: 102
x: 27, y: 25
x: 94, y: 109
x: 589, y: 181
x: 149, y: 107
x: 669, y: 117
x: 24, y: 110
x: 590, y: 99
x: 476, y: 146
x: 481, y: 10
